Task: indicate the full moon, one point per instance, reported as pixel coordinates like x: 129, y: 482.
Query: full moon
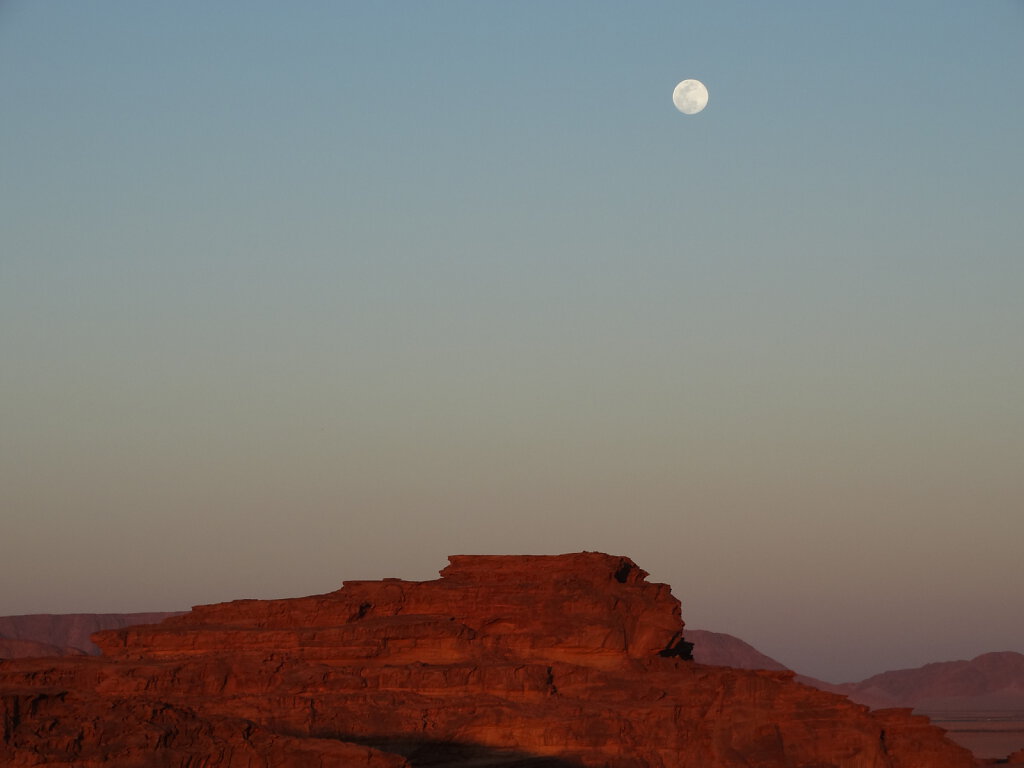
x: 690, y: 97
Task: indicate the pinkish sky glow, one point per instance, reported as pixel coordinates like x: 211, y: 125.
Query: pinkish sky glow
x: 298, y: 293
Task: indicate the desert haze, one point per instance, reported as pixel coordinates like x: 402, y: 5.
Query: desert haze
x: 292, y: 292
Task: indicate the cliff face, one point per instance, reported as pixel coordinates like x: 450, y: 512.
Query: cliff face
x: 570, y: 660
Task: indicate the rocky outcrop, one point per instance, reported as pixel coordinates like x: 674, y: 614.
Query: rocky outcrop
x: 568, y: 660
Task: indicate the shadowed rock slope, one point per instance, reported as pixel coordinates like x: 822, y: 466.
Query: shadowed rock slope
x: 555, y: 660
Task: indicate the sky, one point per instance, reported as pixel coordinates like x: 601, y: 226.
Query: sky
x: 295, y: 293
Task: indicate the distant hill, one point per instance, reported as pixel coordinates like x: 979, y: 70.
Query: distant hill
x: 64, y: 634
x: 992, y: 681
x: 11, y: 648
x: 721, y: 650
x: 980, y: 703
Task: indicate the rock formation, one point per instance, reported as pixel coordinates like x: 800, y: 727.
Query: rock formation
x: 560, y: 660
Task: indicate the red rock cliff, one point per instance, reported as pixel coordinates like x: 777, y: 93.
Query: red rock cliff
x: 571, y: 659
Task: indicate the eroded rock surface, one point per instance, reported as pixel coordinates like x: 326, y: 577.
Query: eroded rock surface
x: 567, y: 660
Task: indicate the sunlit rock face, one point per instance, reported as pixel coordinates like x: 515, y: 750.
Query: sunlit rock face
x: 567, y: 660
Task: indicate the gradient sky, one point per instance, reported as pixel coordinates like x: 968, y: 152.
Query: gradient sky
x: 292, y: 293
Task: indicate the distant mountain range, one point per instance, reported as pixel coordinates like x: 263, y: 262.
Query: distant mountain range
x: 13, y: 648
x: 720, y: 650
x: 992, y: 681
x: 63, y: 634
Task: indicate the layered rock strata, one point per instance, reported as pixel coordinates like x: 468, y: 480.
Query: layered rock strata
x: 566, y: 660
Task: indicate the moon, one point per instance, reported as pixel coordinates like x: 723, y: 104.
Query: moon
x: 690, y: 97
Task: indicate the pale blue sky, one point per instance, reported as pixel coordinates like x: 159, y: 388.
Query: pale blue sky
x: 296, y: 293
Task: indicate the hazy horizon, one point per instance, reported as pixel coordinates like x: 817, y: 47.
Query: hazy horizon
x: 291, y: 295
x: 795, y: 664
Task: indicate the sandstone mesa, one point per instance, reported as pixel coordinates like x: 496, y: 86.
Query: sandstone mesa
x: 505, y: 660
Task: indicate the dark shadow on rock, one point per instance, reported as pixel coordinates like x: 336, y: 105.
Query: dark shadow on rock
x: 678, y: 647
x: 431, y: 753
